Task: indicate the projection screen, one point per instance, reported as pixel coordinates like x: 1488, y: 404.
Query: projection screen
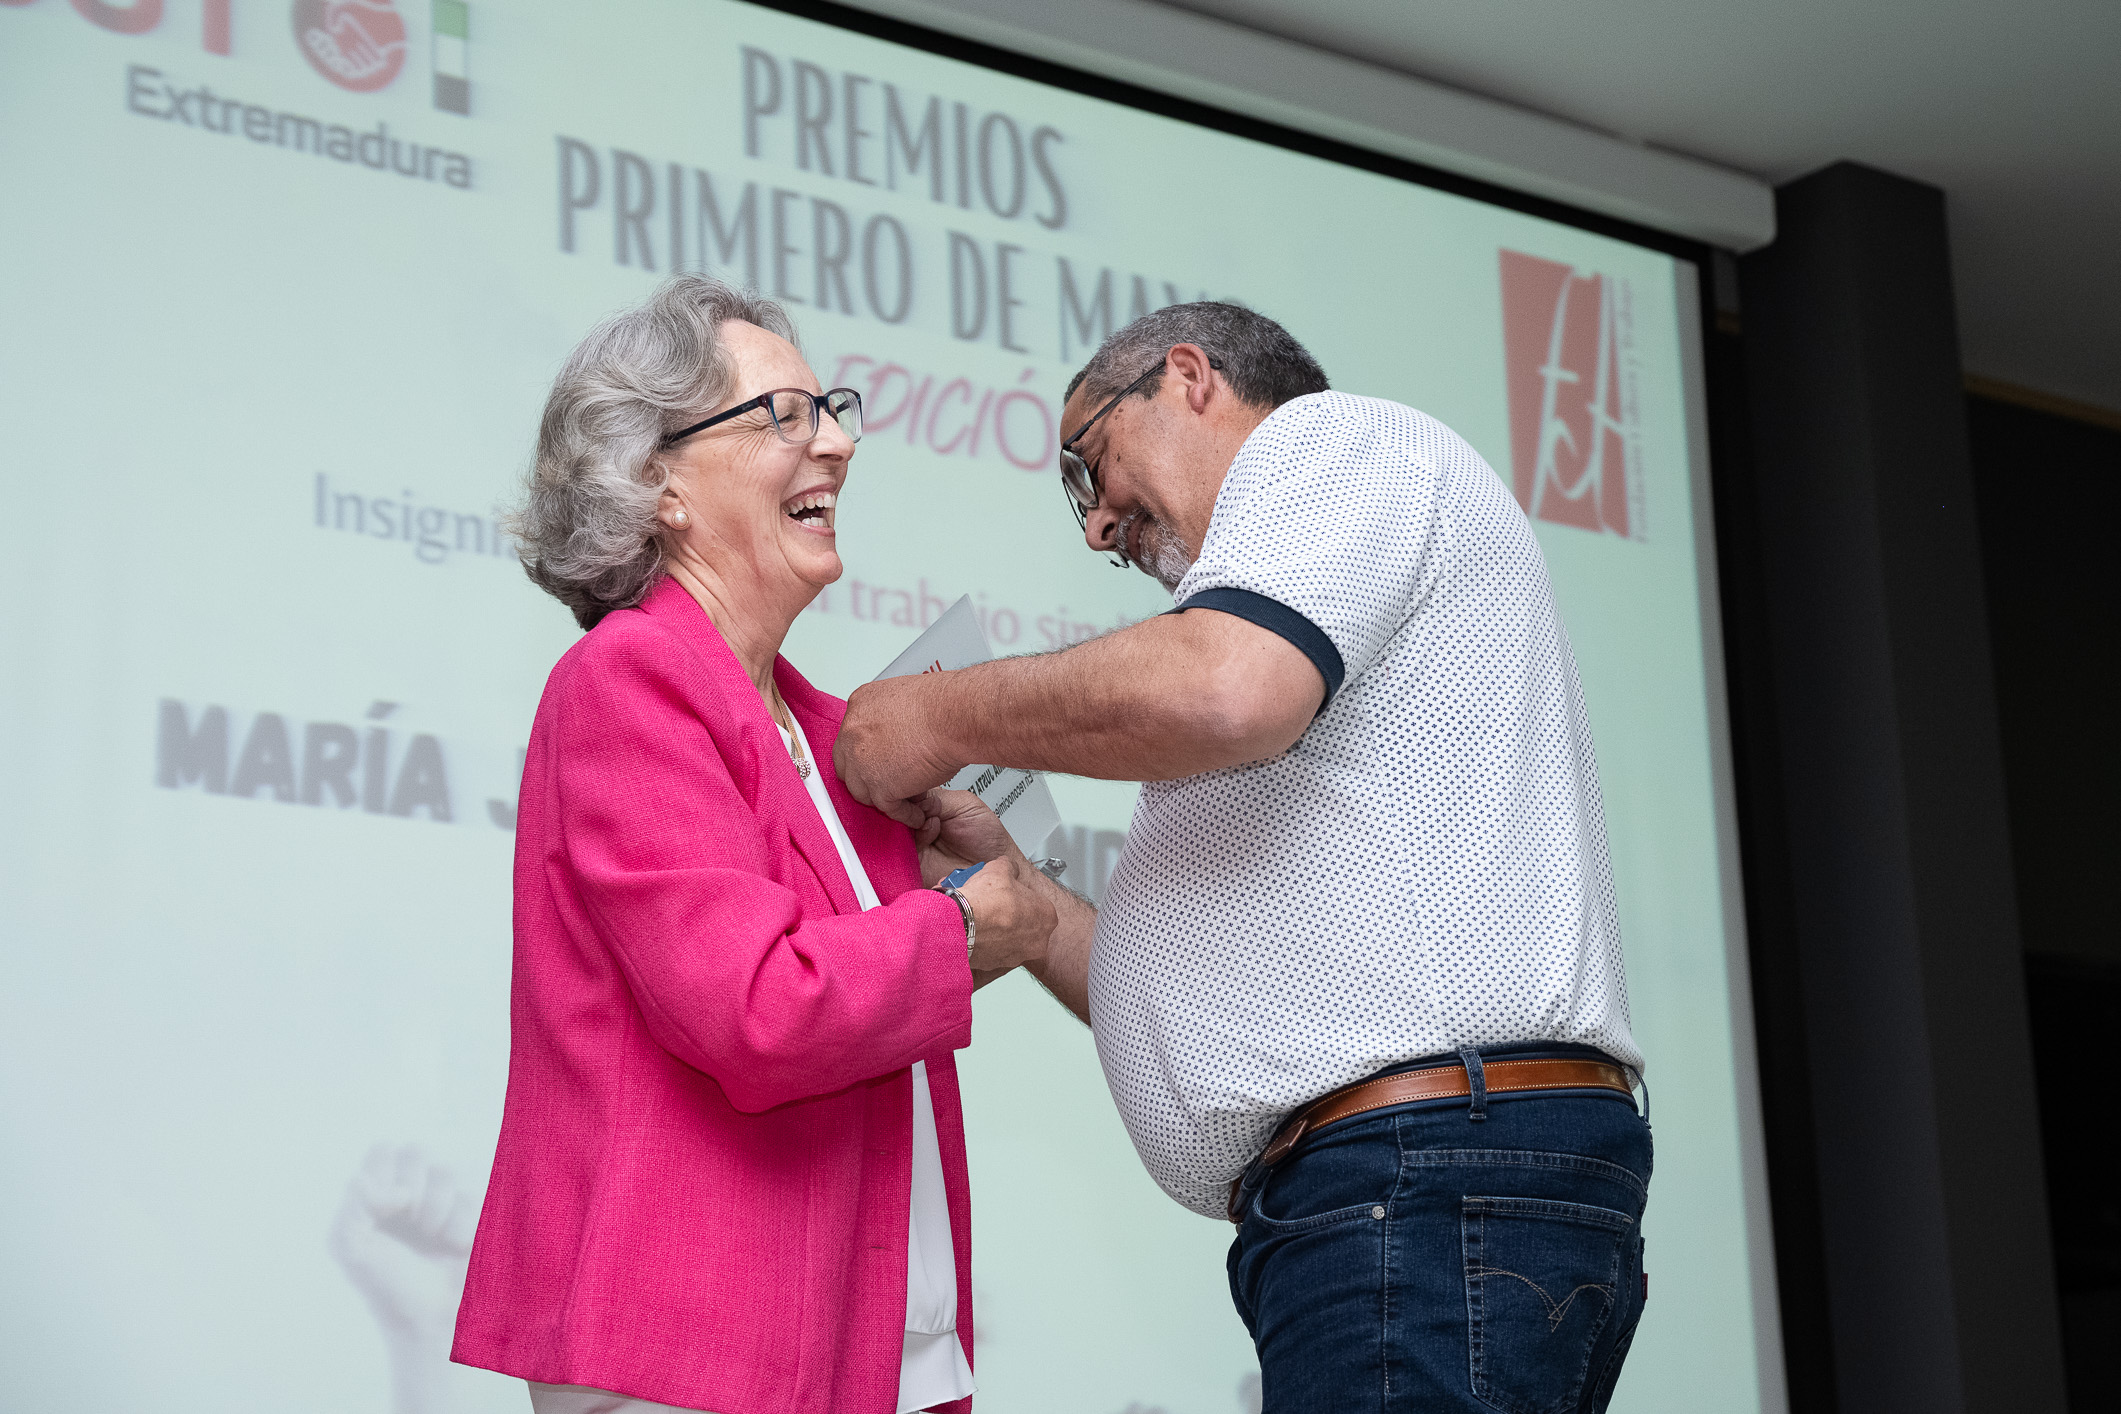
x: 286, y: 285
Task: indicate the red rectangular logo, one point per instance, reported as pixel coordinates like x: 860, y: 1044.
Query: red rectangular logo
x: 1568, y: 339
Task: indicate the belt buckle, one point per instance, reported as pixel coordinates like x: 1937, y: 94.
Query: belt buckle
x: 1255, y: 1175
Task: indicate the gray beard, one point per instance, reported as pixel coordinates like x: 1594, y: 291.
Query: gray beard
x: 1165, y: 558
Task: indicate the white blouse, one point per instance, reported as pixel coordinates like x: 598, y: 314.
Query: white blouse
x: 932, y: 1369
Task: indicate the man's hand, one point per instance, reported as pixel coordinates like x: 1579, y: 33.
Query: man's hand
x: 1012, y: 905
x: 886, y: 756
x: 957, y: 830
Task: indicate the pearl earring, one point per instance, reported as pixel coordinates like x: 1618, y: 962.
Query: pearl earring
x: 678, y: 519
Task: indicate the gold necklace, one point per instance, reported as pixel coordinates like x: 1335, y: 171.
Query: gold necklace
x: 785, y: 720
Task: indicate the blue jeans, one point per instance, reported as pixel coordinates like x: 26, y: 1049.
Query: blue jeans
x: 1419, y: 1259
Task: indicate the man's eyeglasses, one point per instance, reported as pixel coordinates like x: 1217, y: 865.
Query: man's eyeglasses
x: 794, y: 412
x: 1079, y: 477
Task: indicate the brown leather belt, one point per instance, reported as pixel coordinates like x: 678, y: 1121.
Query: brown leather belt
x: 1442, y: 1082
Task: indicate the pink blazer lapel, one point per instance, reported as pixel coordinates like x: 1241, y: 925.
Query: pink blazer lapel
x: 764, y: 771
x: 884, y: 846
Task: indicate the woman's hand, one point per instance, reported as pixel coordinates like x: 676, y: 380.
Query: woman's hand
x: 1011, y: 907
x: 957, y: 829
x: 1012, y: 913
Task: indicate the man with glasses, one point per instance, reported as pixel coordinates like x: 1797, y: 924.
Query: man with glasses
x: 1356, y: 983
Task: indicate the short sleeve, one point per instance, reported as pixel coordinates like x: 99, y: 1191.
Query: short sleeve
x: 1329, y: 512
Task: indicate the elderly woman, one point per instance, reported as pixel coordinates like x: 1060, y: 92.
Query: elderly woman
x: 731, y: 1171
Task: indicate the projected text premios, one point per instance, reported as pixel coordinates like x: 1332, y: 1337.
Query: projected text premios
x: 807, y: 249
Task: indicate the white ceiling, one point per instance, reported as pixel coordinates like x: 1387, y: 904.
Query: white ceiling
x: 2013, y: 109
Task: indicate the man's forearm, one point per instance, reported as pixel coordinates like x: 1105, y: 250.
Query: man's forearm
x: 1172, y: 696
x: 1065, y: 970
x: 1169, y: 697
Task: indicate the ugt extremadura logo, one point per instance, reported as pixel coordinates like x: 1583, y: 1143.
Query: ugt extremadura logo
x: 357, y: 44
x: 360, y: 45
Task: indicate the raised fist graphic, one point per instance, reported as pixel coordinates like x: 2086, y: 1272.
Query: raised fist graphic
x: 403, y: 1236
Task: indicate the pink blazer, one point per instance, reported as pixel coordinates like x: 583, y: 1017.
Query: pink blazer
x: 701, y: 1189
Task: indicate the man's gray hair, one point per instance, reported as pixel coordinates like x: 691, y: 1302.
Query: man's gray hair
x: 1264, y: 365
x: 586, y: 528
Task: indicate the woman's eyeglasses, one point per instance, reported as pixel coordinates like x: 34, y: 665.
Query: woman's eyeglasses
x: 794, y: 412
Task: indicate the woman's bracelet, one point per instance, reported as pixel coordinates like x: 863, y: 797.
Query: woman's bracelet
x: 964, y: 905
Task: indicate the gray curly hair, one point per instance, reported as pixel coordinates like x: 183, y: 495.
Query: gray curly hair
x: 586, y: 527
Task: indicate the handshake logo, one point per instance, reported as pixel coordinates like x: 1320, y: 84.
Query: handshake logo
x: 360, y: 45
x: 357, y: 44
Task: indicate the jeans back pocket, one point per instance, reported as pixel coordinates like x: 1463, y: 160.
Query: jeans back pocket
x: 1542, y: 1284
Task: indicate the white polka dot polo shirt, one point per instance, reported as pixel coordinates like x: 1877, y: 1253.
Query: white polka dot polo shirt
x: 1424, y: 869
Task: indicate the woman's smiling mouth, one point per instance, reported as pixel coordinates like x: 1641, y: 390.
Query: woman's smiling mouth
x: 813, y: 510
